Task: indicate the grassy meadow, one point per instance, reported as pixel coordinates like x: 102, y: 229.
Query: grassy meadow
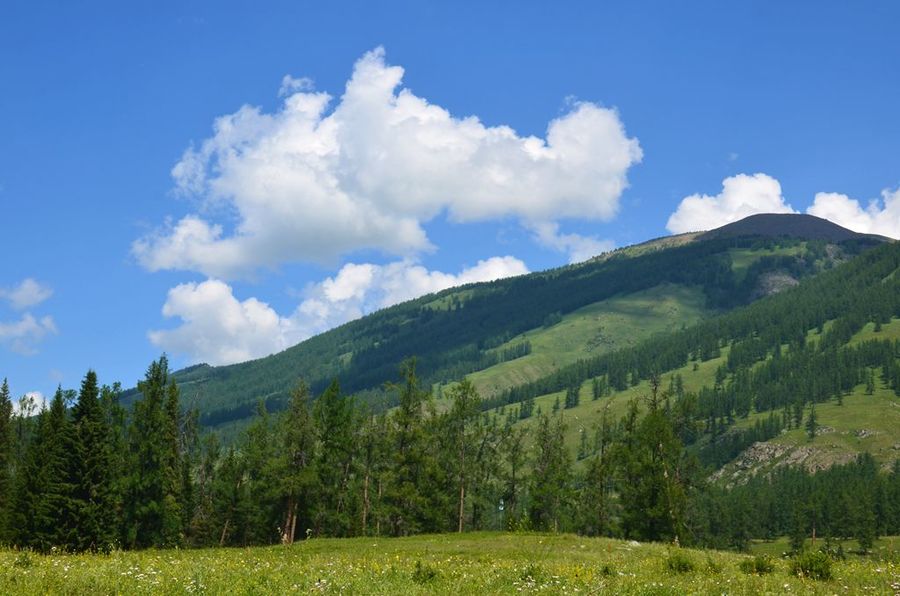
x: 480, y: 563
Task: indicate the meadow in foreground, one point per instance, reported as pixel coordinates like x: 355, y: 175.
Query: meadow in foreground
x: 481, y: 563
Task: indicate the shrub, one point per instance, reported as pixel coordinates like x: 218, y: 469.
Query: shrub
x: 713, y: 566
x: 812, y: 564
x: 678, y: 562
x: 758, y: 565
x: 424, y: 574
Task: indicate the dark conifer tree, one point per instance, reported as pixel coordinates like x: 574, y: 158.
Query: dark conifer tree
x: 812, y: 423
x: 464, y: 434
x: 6, y: 462
x: 153, y: 514
x: 550, y: 476
x: 91, y: 471
x: 594, y: 511
x: 333, y: 422
x: 45, y: 516
x: 294, y: 474
x: 405, y: 493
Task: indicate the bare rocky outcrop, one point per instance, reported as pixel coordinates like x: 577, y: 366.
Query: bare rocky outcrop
x: 774, y: 282
x: 765, y: 457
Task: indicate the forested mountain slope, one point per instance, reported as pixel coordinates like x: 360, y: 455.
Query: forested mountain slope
x: 506, y: 328
x: 809, y: 377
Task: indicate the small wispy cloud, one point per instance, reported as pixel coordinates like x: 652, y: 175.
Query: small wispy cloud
x: 27, y: 294
x: 24, y: 335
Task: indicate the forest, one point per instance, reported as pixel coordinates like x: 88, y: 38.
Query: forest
x: 92, y: 473
x: 456, y: 332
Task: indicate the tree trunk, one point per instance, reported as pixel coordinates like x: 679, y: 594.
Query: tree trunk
x: 365, y: 511
x: 378, y: 519
x: 290, y: 522
x: 224, y: 532
x: 462, y: 502
x: 294, y: 523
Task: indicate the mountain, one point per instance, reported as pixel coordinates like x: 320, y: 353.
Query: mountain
x: 808, y: 377
x: 511, y: 332
x: 788, y: 225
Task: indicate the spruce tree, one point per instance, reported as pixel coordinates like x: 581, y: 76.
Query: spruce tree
x: 410, y: 459
x: 115, y: 420
x: 153, y: 512
x: 172, y: 517
x: 812, y: 423
x: 91, y: 471
x: 45, y: 515
x: 6, y: 462
x: 334, y: 462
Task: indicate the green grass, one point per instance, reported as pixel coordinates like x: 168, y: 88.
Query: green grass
x: 595, y: 329
x: 481, y: 563
x: 742, y: 258
x: 864, y: 423
x: 889, y: 331
x: 589, y: 413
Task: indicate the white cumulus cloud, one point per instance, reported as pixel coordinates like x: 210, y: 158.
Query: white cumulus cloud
x: 741, y: 196
x: 877, y: 218
x: 218, y: 328
x: 311, y: 182
x: 26, y: 294
x: 23, y: 336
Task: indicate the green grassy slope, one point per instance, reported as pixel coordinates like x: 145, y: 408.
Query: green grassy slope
x: 600, y: 327
x: 481, y: 563
x: 863, y: 423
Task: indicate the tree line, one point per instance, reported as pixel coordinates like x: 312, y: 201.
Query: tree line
x: 87, y: 474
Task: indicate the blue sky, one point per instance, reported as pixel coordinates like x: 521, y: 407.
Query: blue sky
x: 518, y: 136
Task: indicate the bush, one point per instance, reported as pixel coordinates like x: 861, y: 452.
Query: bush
x: 678, y: 562
x: 712, y: 566
x: 758, y: 565
x: 812, y: 564
x: 424, y: 574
